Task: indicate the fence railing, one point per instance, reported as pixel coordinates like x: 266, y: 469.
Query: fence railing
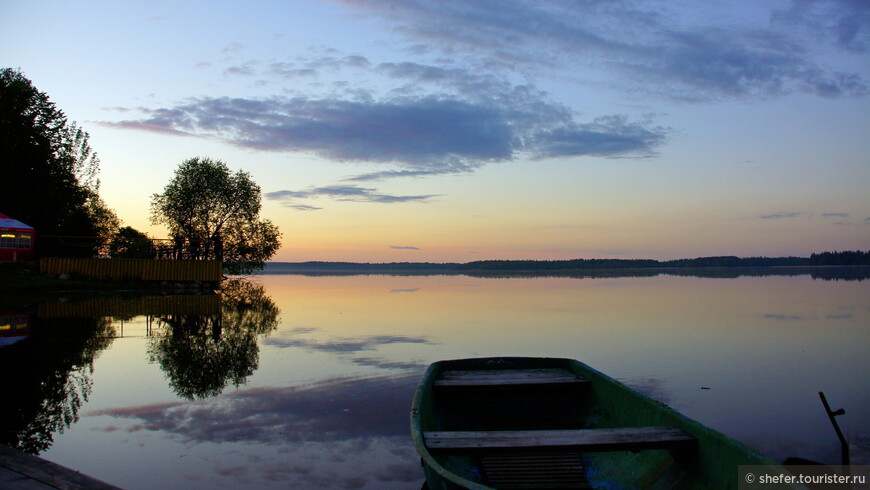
x: 151, y: 248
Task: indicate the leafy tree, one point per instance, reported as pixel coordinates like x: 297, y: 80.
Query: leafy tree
x: 130, y: 243
x: 52, y: 166
x: 217, y: 213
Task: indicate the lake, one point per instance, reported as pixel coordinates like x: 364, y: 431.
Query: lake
x: 305, y: 381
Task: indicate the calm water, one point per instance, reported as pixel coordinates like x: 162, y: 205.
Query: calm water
x: 305, y: 382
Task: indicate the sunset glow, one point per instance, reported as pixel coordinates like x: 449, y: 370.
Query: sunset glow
x: 455, y: 131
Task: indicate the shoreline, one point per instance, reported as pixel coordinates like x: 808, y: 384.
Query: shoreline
x: 24, y: 277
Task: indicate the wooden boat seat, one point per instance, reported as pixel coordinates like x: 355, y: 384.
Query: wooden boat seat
x: 591, y: 440
x: 507, y: 377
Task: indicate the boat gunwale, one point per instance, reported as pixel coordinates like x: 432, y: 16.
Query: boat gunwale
x: 428, y: 460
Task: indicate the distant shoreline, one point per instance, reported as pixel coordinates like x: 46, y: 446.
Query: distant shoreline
x: 583, y: 269
x: 848, y: 259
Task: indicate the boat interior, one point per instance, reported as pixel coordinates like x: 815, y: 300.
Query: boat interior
x: 546, y: 427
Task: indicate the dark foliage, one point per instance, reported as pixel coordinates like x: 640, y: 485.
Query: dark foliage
x: 51, y: 382
x: 202, y: 354
x: 49, y: 169
x: 216, y: 213
x: 130, y: 243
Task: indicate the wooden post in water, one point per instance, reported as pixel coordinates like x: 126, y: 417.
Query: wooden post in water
x: 844, y: 445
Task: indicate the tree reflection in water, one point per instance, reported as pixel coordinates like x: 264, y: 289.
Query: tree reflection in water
x: 47, y: 379
x: 202, y: 354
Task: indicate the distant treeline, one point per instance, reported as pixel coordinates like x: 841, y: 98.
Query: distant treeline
x: 338, y: 268
x: 847, y: 258
x: 840, y: 258
x: 824, y: 258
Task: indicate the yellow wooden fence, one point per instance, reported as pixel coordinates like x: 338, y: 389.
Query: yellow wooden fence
x: 142, y: 269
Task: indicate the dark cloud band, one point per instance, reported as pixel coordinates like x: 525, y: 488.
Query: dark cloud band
x: 647, y: 48
x: 342, y: 193
x: 424, y: 134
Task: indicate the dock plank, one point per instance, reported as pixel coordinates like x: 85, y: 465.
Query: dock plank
x: 24, y: 471
x: 620, y: 439
x: 507, y: 377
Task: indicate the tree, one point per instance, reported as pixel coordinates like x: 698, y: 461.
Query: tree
x: 51, y: 166
x: 130, y: 243
x: 217, y: 213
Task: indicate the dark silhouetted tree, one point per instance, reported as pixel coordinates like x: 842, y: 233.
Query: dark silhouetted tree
x: 130, y: 243
x: 218, y: 213
x: 50, y: 167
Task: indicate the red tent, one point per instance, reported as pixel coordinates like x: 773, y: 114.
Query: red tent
x: 16, y: 240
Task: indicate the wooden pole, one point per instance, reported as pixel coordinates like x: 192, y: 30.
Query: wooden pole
x: 844, y: 445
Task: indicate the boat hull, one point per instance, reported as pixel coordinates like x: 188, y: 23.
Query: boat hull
x: 598, y: 405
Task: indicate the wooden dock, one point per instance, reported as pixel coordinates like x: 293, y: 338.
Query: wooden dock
x: 24, y: 471
x: 137, y: 269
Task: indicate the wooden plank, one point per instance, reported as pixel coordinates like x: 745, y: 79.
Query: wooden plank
x: 21, y: 470
x: 621, y: 439
x: 507, y: 377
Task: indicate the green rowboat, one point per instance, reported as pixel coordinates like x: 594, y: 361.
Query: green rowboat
x: 519, y: 422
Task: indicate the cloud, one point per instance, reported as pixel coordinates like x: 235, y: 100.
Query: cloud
x: 304, y: 207
x: 391, y: 174
x: 420, y: 134
x: 846, y: 22
x: 780, y: 316
x: 836, y: 215
x: 395, y: 247
x: 651, y: 48
x: 787, y: 214
x: 160, y: 18
x: 844, y: 316
x: 342, y: 193
x: 241, y: 70
x: 314, y: 65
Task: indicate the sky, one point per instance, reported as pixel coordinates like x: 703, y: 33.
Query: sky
x: 456, y: 130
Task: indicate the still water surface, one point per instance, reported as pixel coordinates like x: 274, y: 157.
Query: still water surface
x: 305, y: 382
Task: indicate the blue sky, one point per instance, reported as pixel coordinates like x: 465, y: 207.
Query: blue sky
x: 455, y: 130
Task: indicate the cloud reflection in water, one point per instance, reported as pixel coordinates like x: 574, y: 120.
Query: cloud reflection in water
x: 343, y: 433
x: 342, y: 345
